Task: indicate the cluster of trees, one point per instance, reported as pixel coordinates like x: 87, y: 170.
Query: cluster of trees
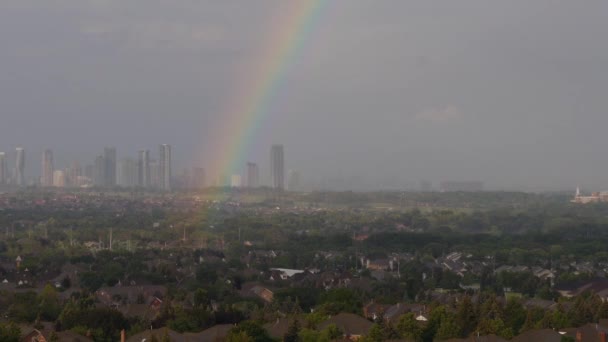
x: 9, y: 332
x: 488, y: 314
x: 484, y: 315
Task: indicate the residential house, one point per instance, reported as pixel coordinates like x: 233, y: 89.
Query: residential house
x: 545, y: 335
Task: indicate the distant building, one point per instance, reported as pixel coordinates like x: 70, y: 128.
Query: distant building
x: 59, y: 178
x: 109, y: 155
x: 277, y: 167
x: 20, y: 167
x: 596, y: 197
x: 461, y: 186
x: 154, y: 174
x: 99, y: 171
x: 253, y: 175
x: 143, y: 169
x: 47, y: 168
x: 235, y: 181
x: 164, y: 167
x: 293, y: 180
x: 74, y: 172
x: 126, y: 175
x: 3, y: 169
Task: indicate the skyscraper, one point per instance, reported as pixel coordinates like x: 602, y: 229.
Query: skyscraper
x: 277, y: 167
x: 143, y: 169
x: 74, y: 173
x: 164, y: 167
x: 127, y: 173
x: 253, y: 175
x: 109, y: 155
x: 154, y: 174
x: 20, y: 167
x: 3, y: 169
x: 59, y: 178
x: 47, y: 168
x: 99, y: 171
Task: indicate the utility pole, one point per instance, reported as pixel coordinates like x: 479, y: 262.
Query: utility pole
x: 110, y: 239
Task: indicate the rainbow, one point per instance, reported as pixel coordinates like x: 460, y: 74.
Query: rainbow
x: 250, y: 104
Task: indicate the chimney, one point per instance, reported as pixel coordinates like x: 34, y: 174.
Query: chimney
x: 579, y: 336
x: 602, y: 336
x: 122, y: 336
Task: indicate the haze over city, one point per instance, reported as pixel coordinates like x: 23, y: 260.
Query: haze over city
x: 380, y: 95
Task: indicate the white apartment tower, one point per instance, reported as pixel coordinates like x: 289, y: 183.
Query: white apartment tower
x: 164, y: 167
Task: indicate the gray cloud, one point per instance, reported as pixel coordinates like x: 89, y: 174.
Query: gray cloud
x: 440, y: 114
x: 383, y: 93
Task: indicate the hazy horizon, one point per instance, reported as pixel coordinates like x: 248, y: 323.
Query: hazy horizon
x: 383, y: 94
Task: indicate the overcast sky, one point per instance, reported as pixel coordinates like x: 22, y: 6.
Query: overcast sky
x: 384, y: 94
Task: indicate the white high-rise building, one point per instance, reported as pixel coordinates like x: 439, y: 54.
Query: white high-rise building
x: 20, y: 167
x: 164, y: 167
x: 143, y: 169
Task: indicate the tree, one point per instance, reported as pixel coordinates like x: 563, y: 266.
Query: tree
x: 250, y: 329
x: 201, y: 298
x: 309, y: 335
x: 533, y: 316
x: 494, y: 326
x: 408, y: 327
x: 292, y: 331
x: 466, y: 317
x: 331, y: 332
x: 10, y: 332
x: 514, y: 315
x: 436, y: 317
x: 53, y: 337
x: 376, y: 334
x: 447, y: 328
x: 50, y: 308
x: 240, y: 336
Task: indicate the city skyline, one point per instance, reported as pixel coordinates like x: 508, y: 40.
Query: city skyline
x: 109, y: 169
x: 147, y: 172
x: 512, y: 96
x: 103, y: 170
